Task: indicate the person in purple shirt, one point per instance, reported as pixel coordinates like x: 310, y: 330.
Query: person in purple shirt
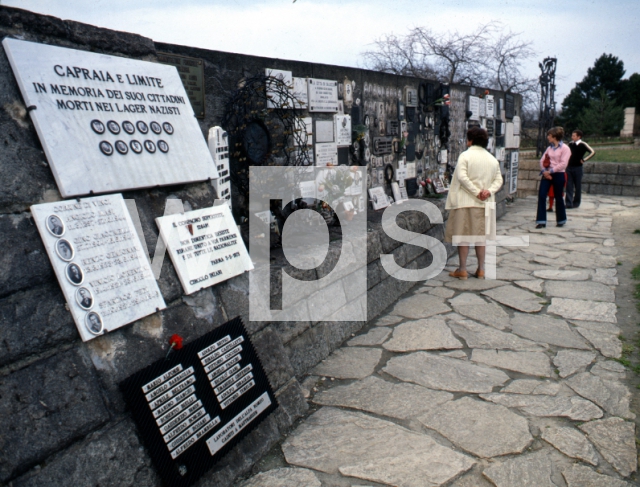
x: 559, y: 154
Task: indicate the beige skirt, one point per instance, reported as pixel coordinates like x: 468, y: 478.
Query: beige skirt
x: 466, y: 222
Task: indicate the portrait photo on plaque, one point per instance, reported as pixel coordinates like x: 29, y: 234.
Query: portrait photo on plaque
x: 193, y: 406
x: 99, y: 261
x: 88, y: 142
x: 84, y: 298
x: 205, y: 246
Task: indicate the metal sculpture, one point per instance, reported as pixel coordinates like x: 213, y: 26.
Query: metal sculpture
x: 547, y: 112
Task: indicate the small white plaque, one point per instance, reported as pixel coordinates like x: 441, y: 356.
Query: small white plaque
x: 109, y: 123
x: 308, y: 189
x: 274, y: 98
x: 205, y: 246
x: 342, y: 126
x: 378, y: 198
x: 300, y: 93
x: 490, y: 110
x: 411, y: 170
x: 326, y: 154
x: 323, y: 95
x: 324, y: 131
x: 99, y: 262
x: 474, y: 107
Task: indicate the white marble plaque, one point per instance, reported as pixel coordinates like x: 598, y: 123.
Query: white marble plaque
x: 490, y: 110
x: 324, y: 131
x: 411, y: 170
x: 300, y: 93
x: 513, y: 173
x: 326, y: 154
x: 109, y: 123
x: 474, y: 107
x: 342, y: 127
x: 323, y: 95
x: 378, y: 198
x: 274, y: 98
x: 99, y: 262
x: 205, y: 246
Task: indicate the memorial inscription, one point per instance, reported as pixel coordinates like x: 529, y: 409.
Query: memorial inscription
x: 192, y: 407
x: 99, y: 261
x: 108, y: 123
x: 323, y: 95
x: 205, y: 246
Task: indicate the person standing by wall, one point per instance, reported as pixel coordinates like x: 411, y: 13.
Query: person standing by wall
x: 474, y: 183
x: 559, y: 154
x: 578, y: 149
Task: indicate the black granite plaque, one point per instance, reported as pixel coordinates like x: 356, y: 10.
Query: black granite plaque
x: 194, y: 406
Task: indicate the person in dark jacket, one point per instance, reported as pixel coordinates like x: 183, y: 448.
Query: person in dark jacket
x: 579, y: 148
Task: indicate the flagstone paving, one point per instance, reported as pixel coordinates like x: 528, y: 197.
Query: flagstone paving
x: 509, y: 383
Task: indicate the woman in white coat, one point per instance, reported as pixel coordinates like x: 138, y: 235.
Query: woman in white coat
x: 472, y: 217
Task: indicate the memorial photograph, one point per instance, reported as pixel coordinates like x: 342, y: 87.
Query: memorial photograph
x: 64, y: 250
x: 94, y: 323
x: 74, y: 273
x: 84, y: 298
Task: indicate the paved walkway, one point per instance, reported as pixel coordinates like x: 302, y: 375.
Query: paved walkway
x: 507, y: 382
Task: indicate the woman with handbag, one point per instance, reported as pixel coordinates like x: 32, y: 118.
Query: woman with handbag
x: 558, y: 155
x: 475, y: 181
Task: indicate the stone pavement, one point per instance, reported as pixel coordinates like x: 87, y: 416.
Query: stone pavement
x: 509, y: 382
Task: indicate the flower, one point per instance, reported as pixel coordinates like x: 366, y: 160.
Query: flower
x: 175, y: 341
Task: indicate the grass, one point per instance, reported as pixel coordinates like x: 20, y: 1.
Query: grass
x: 637, y: 231
x: 616, y: 155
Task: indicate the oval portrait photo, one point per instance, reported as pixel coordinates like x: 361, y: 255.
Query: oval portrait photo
x: 93, y: 322
x: 74, y: 274
x: 55, y: 225
x: 64, y: 249
x: 84, y: 298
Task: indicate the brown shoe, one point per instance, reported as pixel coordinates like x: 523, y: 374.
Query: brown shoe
x: 479, y: 274
x: 459, y: 274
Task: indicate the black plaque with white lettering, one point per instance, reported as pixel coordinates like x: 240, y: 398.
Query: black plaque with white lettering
x: 194, y: 406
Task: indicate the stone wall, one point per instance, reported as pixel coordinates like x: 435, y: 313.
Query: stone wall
x: 65, y: 420
x: 620, y: 179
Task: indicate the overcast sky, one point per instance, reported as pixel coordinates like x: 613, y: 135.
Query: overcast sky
x: 338, y: 31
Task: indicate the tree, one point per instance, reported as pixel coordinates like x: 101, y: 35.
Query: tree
x: 490, y: 55
x: 630, y: 96
x: 602, y: 116
x: 605, y: 75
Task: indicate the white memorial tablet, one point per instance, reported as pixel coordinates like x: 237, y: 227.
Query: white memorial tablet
x: 326, y: 154
x: 378, y: 198
x: 323, y: 95
x: 99, y: 262
x: 474, y: 107
x: 109, y: 123
x: 205, y: 246
x: 342, y: 127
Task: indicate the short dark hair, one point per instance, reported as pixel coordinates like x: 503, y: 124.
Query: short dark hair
x: 478, y: 136
x: 578, y: 132
x: 557, y: 133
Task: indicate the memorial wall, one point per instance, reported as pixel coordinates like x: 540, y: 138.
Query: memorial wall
x: 127, y: 352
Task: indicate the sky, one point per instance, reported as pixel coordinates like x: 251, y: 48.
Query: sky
x: 339, y: 31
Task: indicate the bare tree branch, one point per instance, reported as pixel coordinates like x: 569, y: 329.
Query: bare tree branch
x: 491, y: 56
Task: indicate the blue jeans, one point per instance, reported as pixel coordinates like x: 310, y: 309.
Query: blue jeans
x: 557, y: 180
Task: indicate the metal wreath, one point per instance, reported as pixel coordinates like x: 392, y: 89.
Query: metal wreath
x: 266, y: 103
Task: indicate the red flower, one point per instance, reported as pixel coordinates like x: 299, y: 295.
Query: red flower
x: 175, y: 341
x: 486, y: 92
